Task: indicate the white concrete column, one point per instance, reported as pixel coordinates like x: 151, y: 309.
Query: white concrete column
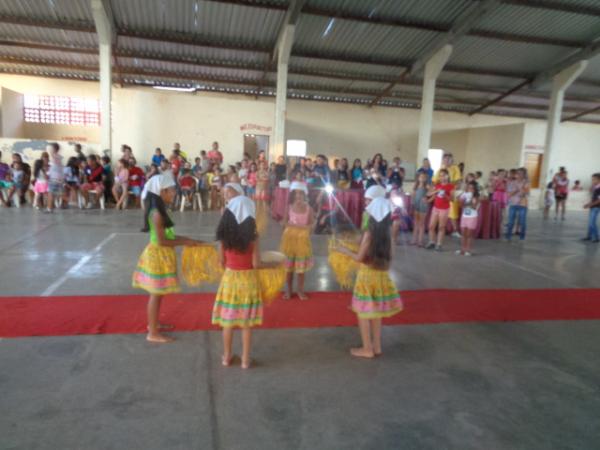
x: 104, y: 27
x: 105, y: 98
x: 433, y: 67
x: 560, y: 83
x: 284, y: 49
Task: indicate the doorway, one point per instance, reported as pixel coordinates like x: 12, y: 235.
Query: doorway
x: 533, y: 164
x: 253, y: 144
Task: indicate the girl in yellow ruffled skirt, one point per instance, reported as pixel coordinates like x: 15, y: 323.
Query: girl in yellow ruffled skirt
x: 375, y: 295
x: 295, y: 242
x: 156, y: 271
x: 239, y: 302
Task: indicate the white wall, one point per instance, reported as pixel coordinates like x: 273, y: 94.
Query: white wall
x: 146, y: 118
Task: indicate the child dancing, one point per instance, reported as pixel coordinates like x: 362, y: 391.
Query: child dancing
x: 156, y: 271
x: 375, y: 295
x: 295, y: 242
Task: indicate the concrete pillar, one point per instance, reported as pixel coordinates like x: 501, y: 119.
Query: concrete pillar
x: 433, y: 67
x: 283, y: 56
x: 105, y: 98
x: 560, y: 83
x: 104, y: 27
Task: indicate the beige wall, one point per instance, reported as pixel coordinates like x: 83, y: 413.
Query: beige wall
x: 146, y: 118
x: 491, y: 148
x: 12, y: 114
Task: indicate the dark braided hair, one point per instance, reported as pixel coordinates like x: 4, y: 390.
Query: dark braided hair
x: 153, y: 201
x: 236, y: 236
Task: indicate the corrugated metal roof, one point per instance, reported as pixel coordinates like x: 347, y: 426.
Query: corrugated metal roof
x: 53, y: 56
x: 189, y: 69
x: 477, y: 52
x: 442, y: 11
x: 221, y: 22
x: 365, y: 40
x: 47, y: 35
x: 239, y: 71
x: 541, y: 23
x: 151, y: 47
x: 47, y: 71
x: 67, y: 10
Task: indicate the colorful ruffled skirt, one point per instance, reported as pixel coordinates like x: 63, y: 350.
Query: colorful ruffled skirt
x: 156, y: 271
x: 296, y: 246
x: 238, y: 302
x: 375, y: 296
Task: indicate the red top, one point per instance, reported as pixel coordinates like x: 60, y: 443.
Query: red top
x: 239, y: 261
x: 187, y: 181
x: 136, y: 176
x: 442, y: 200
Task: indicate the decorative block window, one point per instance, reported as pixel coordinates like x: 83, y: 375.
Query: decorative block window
x: 61, y: 110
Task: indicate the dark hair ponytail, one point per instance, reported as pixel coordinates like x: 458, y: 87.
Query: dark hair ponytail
x: 153, y: 201
x: 380, y: 249
x: 236, y: 236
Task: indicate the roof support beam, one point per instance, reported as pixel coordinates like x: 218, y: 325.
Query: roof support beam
x: 433, y: 67
x: 589, y: 51
x: 560, y: 83
x: 581, y: 114
x: 106, y: 36
x: 463, y: 24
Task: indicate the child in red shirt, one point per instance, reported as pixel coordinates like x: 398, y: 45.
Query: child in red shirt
x: 442, y: 195
x: 187, y: 184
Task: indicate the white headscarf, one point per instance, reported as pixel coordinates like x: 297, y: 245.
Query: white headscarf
x: 236, y: 187
x: 156, y: 184
x: 379, y: 208
x: 299, y: 186
x: 374, y: 192
x: 242, y: 208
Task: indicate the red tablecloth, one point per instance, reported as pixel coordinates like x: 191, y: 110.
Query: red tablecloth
x: 351, y: 200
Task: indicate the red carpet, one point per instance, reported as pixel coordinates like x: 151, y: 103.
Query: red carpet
x: 58, y: 316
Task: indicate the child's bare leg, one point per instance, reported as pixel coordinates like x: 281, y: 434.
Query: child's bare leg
x: 395, y: 230
x: 290, y: 285
x: 463, y: 241
x: 366, y: 351
x: 300, y: 284
x: 116, y: 196
x: 441, y: 231
x: 415, y: 233
x: 421, y: 222
x: 432, y: 224
x: 246, y: 344
x: 376, y: 330
x: 154, y: 334
x: 227, y: 341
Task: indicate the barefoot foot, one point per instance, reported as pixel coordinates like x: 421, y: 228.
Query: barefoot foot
x: 302, y: 296
x: 286, y: 296
x: 362, y: 352
x: 159, y: 338
x: 226, y: 360
x: 246, y: 364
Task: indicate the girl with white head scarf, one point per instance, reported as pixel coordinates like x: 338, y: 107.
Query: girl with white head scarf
x: 375, y: 295
x: 156, y: 271
x: 238, y: 303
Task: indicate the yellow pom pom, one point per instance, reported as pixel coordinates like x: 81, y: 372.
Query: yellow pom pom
x: 262, y: 216
x: 200, y: 265
x: 344, y: 267
x: 271, y: 280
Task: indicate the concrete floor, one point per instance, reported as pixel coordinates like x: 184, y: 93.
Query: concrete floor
x: 460, y: 386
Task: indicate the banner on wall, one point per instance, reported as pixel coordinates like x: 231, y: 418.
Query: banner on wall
x: 252, y: 127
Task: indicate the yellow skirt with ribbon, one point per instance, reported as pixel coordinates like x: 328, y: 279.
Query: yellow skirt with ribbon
x: 375, y: 296
x: 239, y: 302
x: 297, y: 248
x: 156, y: 270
